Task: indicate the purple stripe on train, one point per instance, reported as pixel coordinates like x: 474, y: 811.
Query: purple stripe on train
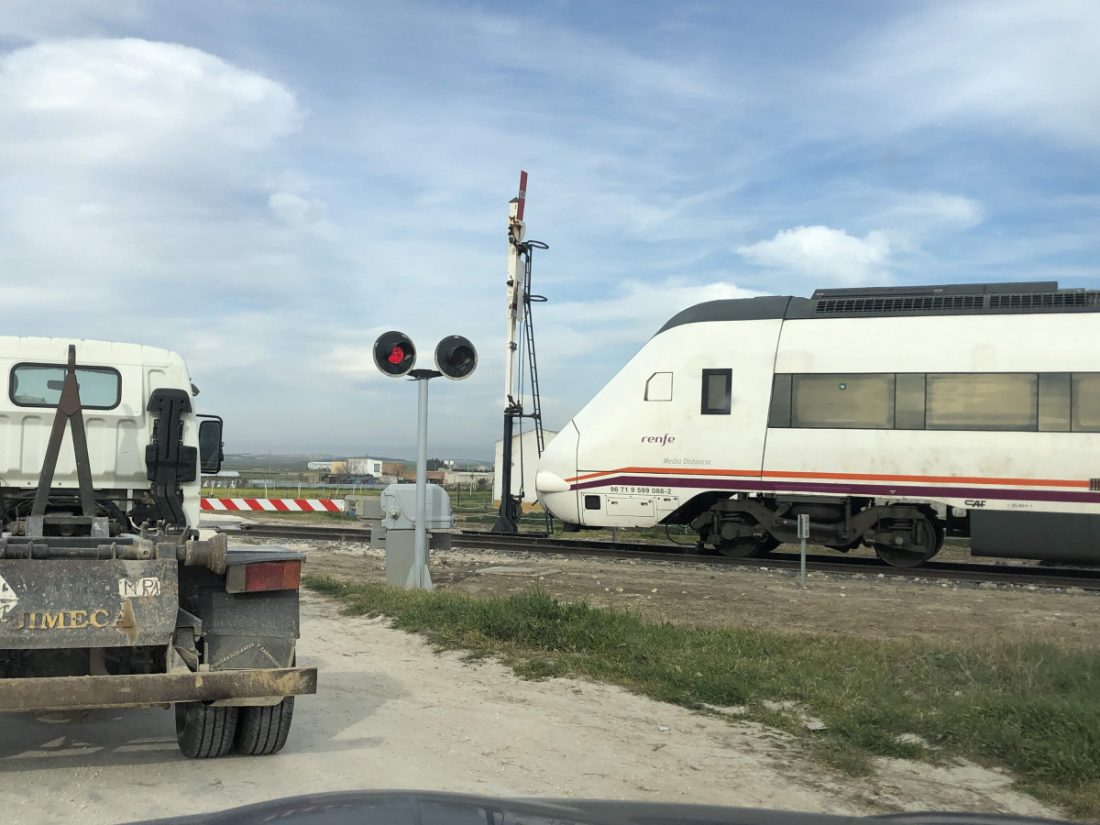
x: 898, y: 490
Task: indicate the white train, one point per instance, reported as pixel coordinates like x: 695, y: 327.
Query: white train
x: 890, y: 416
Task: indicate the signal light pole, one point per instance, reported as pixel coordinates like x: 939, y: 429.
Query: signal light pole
x: 519, y: 300
x: 455, y: 358
x: 517, y: 231
x: 420, y: 578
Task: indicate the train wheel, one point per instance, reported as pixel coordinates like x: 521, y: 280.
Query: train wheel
x: 746, y: 547
x: 925, y: 540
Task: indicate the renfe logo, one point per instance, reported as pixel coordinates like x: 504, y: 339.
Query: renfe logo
x: 658, y: 439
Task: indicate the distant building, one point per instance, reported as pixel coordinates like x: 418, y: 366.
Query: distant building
x: 452, y: 478
x: 525, y: 459
x: 320, y: 466
x: 365, y: 466
x: 393, y: 468
x: 225, y: 478
x: 466, y: 465
x: 433, y: 476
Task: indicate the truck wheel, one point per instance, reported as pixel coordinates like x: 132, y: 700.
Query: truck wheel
x: 204, y: 731
x: 263, y: 730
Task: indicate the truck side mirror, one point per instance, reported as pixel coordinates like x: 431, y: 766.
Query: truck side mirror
x: 210, y: 445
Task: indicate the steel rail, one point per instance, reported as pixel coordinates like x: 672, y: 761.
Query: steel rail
x: 1014, y: 574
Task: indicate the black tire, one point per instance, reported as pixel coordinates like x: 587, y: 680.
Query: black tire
x: 204, y: 731
x: 264, y: 730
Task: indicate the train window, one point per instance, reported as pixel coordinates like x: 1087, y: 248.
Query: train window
x: 982, y: 401
x: 716, y: 392
x: 658, y: 387
x: 591, y: 502
x: 909, y: 401
x: 39, y: 385
x: 780, y: 413
x: 1054, y: 395
x: 863, y: 401
x: 1086, y: 402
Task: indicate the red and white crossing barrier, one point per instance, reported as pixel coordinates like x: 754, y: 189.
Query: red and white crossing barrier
x: 273, y: 505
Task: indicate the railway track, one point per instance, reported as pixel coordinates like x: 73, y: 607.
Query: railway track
x: 1015, y: 574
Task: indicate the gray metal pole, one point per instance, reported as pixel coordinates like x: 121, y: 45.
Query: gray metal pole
x: 803, y: 534
x: 419, y: 577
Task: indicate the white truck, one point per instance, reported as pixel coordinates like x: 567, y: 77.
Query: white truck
x: 109, y: 595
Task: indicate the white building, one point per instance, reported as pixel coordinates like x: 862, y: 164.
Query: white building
x: 223, y: 478
x: 471, y: 477
x: 365, y: 466
x: 525, y: 459
x: 320, y: 466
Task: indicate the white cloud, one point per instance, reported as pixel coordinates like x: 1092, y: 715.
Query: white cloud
x: 933, y: 212
x: 132, y: 102
x: 914, y: 221
x: 294, y: 210
x: 129, y: 159
x: 134, y: 207
x: 1028, y: 65
x: 824, y: 253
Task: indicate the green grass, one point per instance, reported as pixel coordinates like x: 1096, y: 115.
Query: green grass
x: 1032, y: 708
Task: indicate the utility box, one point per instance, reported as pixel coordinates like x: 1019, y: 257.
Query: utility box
x: 364, y: 508
x: 398, y: 503
x: 368, y: 509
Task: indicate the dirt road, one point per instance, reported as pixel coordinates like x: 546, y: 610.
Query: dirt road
x: 392, y: 714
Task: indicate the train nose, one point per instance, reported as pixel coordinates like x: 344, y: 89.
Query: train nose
x: 557, y: 467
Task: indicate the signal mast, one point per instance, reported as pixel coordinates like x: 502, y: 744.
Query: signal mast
x: 518, y: 345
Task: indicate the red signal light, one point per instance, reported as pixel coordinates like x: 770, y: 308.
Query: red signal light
x: 394, y: 353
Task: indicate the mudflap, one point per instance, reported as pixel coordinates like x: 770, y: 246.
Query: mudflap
x: 81, y: 603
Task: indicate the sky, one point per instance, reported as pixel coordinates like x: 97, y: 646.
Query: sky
x: 266, y: 187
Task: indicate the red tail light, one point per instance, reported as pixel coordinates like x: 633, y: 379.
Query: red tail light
x: 263, y: 576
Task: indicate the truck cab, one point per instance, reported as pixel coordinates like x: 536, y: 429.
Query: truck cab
x: 109, y: 595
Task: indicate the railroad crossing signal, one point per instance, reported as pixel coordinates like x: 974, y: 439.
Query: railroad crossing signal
x: 456, y: 357
x: 394, y: 353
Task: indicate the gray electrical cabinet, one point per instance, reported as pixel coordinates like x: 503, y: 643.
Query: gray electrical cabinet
x: 364, y: 508
x: 368, y: 510
x: 398, y: 503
